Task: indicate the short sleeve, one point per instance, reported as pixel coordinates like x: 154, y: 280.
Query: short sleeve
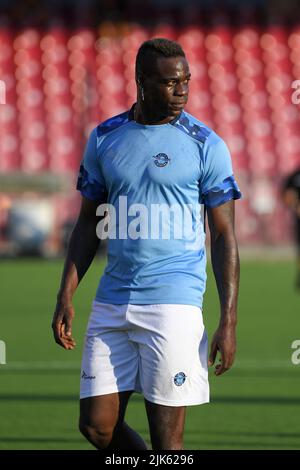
x: 90, y: 180
x: 217, y: 184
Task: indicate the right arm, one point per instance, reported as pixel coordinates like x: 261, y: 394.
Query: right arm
x: 291, y: 200
x: 290, y: 195
x: 81, y: 251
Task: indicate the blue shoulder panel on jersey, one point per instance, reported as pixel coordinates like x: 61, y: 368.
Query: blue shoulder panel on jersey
x: 113, y: 123
x: 222, y: 193
x: 88, y: 186
x: 191, y: 127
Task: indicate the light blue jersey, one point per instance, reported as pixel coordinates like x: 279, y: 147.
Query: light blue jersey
x: 156, y: 180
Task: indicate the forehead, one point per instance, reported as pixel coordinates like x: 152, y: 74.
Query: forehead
x: 170, y: 67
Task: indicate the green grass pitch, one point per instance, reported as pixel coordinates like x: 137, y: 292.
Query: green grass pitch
x: 256, y: 405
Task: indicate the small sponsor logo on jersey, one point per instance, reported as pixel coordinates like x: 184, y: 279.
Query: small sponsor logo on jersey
x: 161, y: 159
x: 87, y: 377
x: 179, y: 379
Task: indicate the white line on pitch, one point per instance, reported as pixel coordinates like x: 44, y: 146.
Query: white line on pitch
x: 249, y: 364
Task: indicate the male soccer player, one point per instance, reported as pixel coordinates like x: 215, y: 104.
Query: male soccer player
x: 291, y: 197
x: 156, y: 167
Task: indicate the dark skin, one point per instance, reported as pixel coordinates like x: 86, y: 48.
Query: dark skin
x: 161, y: 96
x: 165, y: 91
x: 291, y: 200
x: 226, y: 267
x: 81, y: 251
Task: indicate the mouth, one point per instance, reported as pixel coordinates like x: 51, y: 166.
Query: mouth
x: 178, y: 105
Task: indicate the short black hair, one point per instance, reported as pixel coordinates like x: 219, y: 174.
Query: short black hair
x: 157, y: 47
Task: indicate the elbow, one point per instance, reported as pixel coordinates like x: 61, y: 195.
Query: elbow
x: 224, y: 241
x: 227, y: 235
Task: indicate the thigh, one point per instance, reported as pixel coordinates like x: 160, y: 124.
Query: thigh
x: 110, y: 360
x: 166, y: 425
x: 104, y: 412
x: 172, y: 343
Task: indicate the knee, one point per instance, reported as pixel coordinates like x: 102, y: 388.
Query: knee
x: 98, y: 435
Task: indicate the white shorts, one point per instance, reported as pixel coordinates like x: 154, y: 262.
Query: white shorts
x: 159, y: 350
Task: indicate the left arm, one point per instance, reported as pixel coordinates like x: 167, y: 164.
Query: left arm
x: 226, y: 267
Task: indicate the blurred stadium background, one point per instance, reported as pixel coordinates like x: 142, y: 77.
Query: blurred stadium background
x: 66, y: 66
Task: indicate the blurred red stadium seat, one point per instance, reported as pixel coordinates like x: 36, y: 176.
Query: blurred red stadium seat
x: 61, y: 83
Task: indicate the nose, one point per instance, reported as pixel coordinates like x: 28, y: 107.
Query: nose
x: 182, y: 89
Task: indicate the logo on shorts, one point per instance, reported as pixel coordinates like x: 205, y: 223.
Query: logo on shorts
x: 161, y: 159
x: 87, y: 377
x: 179, y: 379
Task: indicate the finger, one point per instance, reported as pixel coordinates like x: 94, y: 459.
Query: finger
x: 220, y: 369
x: 67, y: 340
x: 56, y: 327
x: 226, y: 363
x: 66, y: 343
x: 60, y: 338
x: 65, y: 334
x: 68, y: 326
x: 213, y: 353
x: 227, y: 358
x: 57, y: 334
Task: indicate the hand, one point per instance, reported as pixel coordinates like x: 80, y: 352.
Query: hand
x: 62, y: 325
x: 224, y: 341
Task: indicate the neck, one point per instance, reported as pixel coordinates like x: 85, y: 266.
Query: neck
x: 144, y: 115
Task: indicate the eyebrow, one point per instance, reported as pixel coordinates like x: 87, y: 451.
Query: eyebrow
x: 177, y: 78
